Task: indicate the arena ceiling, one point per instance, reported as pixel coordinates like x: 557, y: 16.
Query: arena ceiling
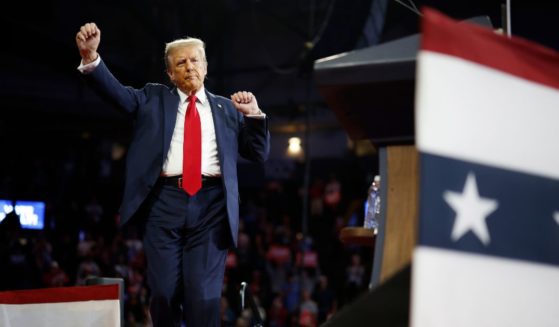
x: 266, y: 46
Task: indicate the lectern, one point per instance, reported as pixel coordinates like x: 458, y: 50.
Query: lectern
x: 371, y: 91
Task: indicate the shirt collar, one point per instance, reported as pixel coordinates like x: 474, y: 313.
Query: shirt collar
x: 200, y: 96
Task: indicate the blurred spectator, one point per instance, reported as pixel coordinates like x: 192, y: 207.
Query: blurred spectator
x: 42, y: 251
x: 308, y: 311
x: 87, y: 268
x: 325, y: 298
x: 355, y: 274
x: 291, y: 291
x: 244, y: 255
x: 316, y: 194
x: 18, y: 267
x: 87, y: 244
x: 228, y: 316
x: 55, y: 276
x: 332, y: 192
x: 133, y: 243
x: 308, y: 279
x: 277, y: 314
x: 277, y: 274
x: 93, y: 213
x: 135, y: 282
x: 137, y: 315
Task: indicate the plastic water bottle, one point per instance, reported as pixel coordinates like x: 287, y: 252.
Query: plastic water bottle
x: 372, y: 213
x: 376, y: 182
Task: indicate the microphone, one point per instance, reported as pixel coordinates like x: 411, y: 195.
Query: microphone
x: 245, y: 294
x: 242, y: 293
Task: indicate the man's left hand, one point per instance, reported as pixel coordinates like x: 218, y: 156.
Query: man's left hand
x: 245, y: 102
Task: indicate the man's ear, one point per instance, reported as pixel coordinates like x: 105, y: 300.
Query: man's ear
x: 170, y: 74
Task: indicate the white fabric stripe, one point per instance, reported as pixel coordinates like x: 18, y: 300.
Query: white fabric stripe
x: 458, y: 289
x: 62, y: 314
x: 496, y: 119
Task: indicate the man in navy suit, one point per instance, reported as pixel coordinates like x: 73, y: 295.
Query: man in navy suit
x: 187, y: 231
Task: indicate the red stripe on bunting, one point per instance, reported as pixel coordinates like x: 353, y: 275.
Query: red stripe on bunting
x: 515, y: 55
x: 61, y: 294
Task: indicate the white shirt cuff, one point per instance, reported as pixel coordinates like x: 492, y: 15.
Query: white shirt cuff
x: 259, y: 115
x: 88, y: 68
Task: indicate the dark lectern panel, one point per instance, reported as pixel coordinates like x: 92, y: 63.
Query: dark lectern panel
x: 379, y: 111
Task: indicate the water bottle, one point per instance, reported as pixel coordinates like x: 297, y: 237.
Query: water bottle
x: 376, y: 182
x: 372, y: 213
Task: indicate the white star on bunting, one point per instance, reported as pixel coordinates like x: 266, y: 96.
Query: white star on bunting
x: 471, y: 211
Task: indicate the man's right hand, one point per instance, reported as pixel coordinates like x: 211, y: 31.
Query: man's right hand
x: 87, y: 40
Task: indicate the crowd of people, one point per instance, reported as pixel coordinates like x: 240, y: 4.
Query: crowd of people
x: 298, y: 274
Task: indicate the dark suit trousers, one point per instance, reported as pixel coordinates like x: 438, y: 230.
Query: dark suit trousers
x: 186, y: 241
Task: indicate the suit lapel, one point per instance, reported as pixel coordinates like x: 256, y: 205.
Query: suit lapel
x: 218, y: 115
x: 170, y: 106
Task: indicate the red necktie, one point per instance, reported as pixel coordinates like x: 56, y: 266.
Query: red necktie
x: 192, y: 149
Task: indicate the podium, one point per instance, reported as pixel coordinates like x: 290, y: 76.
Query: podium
x: 371, y: 91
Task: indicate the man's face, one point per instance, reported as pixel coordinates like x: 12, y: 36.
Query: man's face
x: 187, y: 68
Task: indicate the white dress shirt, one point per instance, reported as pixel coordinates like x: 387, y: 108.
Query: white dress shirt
x: 210, y: 162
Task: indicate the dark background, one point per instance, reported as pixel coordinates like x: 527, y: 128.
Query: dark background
x: 61, y: 144
x: 256, y: 45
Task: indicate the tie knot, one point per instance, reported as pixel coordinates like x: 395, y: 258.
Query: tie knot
x: 191, y: 99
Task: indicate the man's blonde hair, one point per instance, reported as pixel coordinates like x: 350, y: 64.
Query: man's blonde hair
x: 182, y: 43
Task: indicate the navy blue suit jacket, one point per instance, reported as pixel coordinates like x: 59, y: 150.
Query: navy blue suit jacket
x: 154, y: 110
